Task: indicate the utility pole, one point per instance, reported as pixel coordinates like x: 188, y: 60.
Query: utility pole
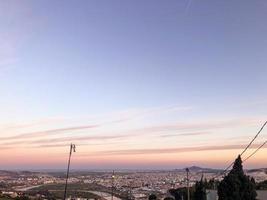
x: 72, y: 149
x: 187, y: 178
x: 131, y: 192
x: 112, y: 185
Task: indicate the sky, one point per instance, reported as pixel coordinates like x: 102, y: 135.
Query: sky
x: 134, y: 84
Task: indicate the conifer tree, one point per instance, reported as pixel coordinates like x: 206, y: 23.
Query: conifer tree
x: 200, y: 191
x: 236, y: 185
x: 152, y: 197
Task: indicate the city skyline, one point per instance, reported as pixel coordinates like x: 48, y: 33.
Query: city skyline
x: 134, y: 84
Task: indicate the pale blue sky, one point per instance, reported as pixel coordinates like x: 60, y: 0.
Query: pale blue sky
x: 75, y: 59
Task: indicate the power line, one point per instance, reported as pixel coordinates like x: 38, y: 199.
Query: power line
x: 224, y: 171
x: 253, y: 139
x: 227, y: 168
x: 254, y: 152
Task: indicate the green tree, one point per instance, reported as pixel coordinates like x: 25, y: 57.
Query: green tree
x: 211, y: 184
x: 22, y: 198
x: 168, y: 198
x: 200, y: 190
x: 152, y: 197
x: 180, y: 193
x: 262, y: 185
x: 236, y: 185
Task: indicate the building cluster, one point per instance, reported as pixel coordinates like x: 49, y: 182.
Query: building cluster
x: 138, y: 185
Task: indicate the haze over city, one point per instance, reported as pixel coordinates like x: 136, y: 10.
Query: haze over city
x: 134, y: 84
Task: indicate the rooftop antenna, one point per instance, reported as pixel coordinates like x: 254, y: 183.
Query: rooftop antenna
x: 72, y: 149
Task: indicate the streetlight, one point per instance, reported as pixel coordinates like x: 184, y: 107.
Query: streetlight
x: 72, y: 149
x: 187, y: 177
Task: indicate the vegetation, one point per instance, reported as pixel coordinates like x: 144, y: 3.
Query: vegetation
x: 211, y: 184
x: 22, y: 198
x: 236, y: 185
x: 200, y: 190
x: 17, y: 198
x: 168, y: 198
x: 152, y: 197
x: 262, y: 185
x: 76, y: 189
x: 180, y: 193
x: 56, y: 191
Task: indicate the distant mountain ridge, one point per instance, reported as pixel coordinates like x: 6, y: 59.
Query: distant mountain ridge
x: 195, y: 169
x: 257, y: 170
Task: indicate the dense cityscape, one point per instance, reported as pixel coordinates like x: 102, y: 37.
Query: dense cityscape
x: 126, y: 184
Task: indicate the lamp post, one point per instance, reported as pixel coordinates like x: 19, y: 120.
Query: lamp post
x: 187, y: 177
x: 72, y: 149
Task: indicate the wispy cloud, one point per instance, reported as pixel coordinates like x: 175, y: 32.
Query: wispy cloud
x: 56, y: 136
x: 80, y: 139
x: 63, y: 141
x: 115, y: 118
x: 49, y: 132
x: 57, y: 145
x: 196, y: 127
x: 186, y: 134
x: 170, y: 150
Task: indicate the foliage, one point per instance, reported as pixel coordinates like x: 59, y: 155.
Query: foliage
x: 152, y: 197
x: 211, y: 184
x: 262, y: 185
x: 200, y: 191
x: 180, y: 193
x: 22, y: 198
x: 168, y: 198
x: 236, y: 185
